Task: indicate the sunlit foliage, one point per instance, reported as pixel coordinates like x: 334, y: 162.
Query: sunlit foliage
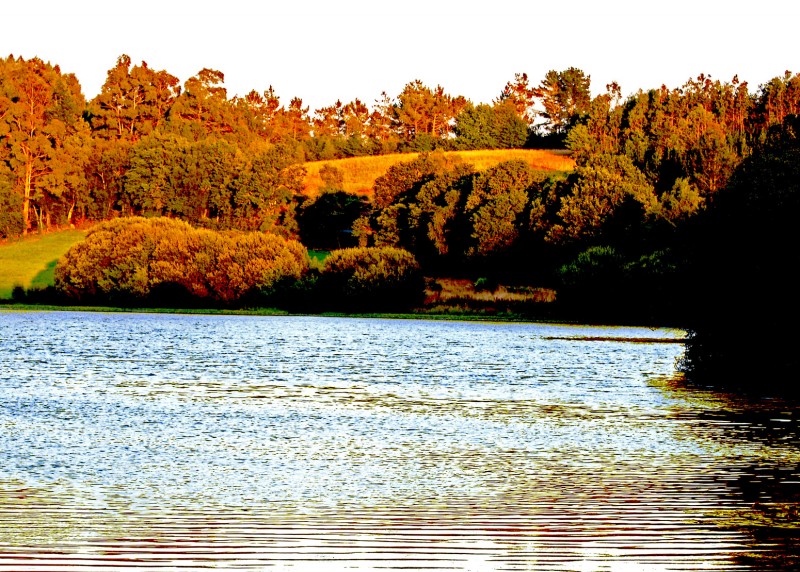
x: 44, y: 142
x: 363, y: 279
x: 128, y: 259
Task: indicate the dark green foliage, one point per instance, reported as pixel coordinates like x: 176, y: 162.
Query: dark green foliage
x: 436, y: 227
x: 566, y: 98
x: 263, y: 197
x: 484, y: 284
x: 474, y: 128
x: 289, y: 294
x: 591, y: 285
x: 371, y: 279
x: 509, y: 130
x: 490, y: 127
x: 39, y: 295
x: 696, y: 134
x: 423, y: 116
x: 11, y: 221
x: 606, y: 284
x: 405, y: 177
x: 445, y: 212
x: 596, y: 265
x: 332, y: 178
x: 422, y: 143
x: 496, y: 204
x: 18, y: 294
x: 745, y: 253
x: 213, y: 183
x: 326, y: 222
x: 597, y: 195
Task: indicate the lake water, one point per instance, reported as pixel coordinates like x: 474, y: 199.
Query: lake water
x: 156, y: 442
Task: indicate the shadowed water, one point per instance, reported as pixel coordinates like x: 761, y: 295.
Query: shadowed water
x: 188, y: 442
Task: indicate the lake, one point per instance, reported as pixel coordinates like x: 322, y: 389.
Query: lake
x: 155, y: 441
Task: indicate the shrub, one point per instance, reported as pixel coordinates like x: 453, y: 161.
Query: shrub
x: 163, y: 260
x: 255, y: 261
x: 591, y: 284
x: 368, y: 279
x: 18, y: 294
x: 595, y: 265
x: 484, y: 284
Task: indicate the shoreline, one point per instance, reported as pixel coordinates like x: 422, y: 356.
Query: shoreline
x: 10, y: 306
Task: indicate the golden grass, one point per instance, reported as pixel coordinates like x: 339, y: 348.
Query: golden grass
x: 360, y: 172
x: 459, y: 291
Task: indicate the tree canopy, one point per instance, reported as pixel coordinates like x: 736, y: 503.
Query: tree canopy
x: 148, y: 145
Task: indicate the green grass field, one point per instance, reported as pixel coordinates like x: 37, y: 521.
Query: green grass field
x: 30, y: 262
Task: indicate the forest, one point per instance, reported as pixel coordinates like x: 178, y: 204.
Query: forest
x: 679, y: 210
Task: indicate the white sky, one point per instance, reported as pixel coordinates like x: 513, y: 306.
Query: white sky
x: 323, y: 51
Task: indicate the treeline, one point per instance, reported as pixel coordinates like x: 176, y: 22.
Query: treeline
x: 149, y: 146
x: 645, y: 166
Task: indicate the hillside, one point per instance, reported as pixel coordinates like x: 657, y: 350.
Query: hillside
x: 30, y: 262
x: 360, y: 172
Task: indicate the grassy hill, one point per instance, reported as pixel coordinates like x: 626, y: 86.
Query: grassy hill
x: 360, y: 172
x: 31, y: 261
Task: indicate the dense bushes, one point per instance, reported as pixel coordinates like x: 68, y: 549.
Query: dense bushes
x: 744, y: 255
x: 326, y: 222
x: 129, y: 260
x: 166, y: 262
x: 369, y: 279
x: 450, y: 216
x: 606, y: 284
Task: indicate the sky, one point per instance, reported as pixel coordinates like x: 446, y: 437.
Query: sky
x: 327, y: 51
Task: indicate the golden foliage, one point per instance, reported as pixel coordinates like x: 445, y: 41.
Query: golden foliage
x: 372, y: 278
x: 129, y: 257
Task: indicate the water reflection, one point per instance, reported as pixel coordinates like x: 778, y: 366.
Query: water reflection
x: 235, y: 442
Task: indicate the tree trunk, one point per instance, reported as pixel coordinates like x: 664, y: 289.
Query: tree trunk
x: 39, y: 222
x: 26, y: 196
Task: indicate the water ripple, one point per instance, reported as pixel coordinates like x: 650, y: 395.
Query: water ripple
x: 195, y: 442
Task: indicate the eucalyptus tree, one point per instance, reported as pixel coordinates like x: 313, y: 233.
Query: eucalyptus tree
x: 777, y: 99
x: 43, y: 139
x: 133, y: 101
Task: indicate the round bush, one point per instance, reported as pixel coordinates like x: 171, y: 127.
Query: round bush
x: 369, y: 279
